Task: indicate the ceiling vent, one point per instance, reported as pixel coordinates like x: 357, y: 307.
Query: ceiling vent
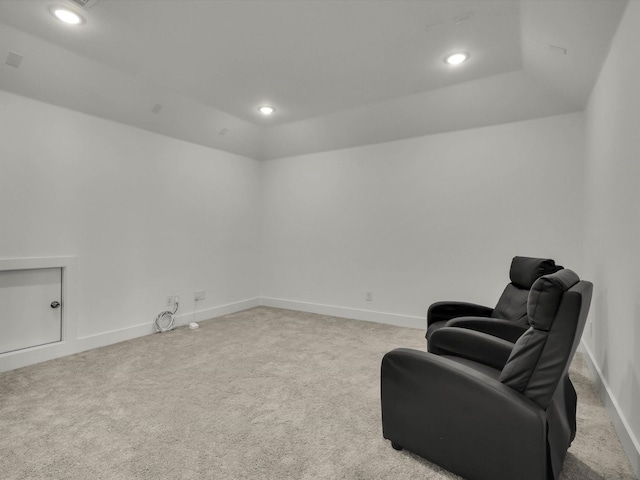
x: 556, y: 49
x: 86, y: 4
x: 14, y: 59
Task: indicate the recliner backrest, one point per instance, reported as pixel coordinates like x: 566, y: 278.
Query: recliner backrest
x: 524, y: 271
x: 557, y: 310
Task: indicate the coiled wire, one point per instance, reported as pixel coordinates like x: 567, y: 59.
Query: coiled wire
x: 164, y: 320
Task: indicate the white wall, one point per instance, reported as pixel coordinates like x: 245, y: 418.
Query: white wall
x: 146, y: 215
x: 419, y: 220
x: 612, y: 242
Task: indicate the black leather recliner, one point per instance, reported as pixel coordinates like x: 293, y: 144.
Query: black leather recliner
x: 510, y: 311
x: 502, y: 419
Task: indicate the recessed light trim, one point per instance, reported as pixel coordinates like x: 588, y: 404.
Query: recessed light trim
x: 266, y: 109
x: 66, y: 15
x: 456, y: 58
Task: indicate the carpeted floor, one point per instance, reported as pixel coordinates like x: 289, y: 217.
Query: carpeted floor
x: 261, y: 394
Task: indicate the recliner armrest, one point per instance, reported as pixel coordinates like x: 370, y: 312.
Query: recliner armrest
x: 459, y: 418
x: 470, y: 344
x: 442, y: 311
x: 505, y: 329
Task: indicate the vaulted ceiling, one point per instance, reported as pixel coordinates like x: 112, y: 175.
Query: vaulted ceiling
x: 340, y: 73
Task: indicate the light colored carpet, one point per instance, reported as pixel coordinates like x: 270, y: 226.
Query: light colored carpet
x: 260, y: 394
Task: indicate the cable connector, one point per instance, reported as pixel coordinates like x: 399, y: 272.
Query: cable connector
x: 165, y: 320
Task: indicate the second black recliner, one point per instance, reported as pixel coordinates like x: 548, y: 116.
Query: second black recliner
x: 508, y: 319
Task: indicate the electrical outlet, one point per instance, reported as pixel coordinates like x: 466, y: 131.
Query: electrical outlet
x: 169, y: 300
x: 368, y: 296
x: 199, y: 295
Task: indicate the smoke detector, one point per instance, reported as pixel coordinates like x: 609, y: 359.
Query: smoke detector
x: 86, y: 4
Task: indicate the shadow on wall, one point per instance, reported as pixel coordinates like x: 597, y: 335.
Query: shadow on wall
x: 600, y: 324
x: 631, y: 384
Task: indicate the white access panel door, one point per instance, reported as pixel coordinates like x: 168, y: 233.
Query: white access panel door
x: 30, y: 308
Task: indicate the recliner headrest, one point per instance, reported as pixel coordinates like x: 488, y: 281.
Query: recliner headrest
x: 526, y: 270
x: 545, y: 295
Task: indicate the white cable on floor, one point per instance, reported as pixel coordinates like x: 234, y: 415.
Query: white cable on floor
x: 164, y: 320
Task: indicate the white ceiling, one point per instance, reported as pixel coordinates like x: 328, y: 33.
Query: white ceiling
x: 339, y: 72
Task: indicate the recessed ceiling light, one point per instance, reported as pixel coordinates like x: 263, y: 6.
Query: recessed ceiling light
x: 67, y: 16
x: 266, y: 109
x: 456, y: 58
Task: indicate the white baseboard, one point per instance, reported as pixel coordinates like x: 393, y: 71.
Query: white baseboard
x: 627, y: 438
x: 345, y: 312
x: 30, y: 356
x: 42, y: 353
x: 215, y: 312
